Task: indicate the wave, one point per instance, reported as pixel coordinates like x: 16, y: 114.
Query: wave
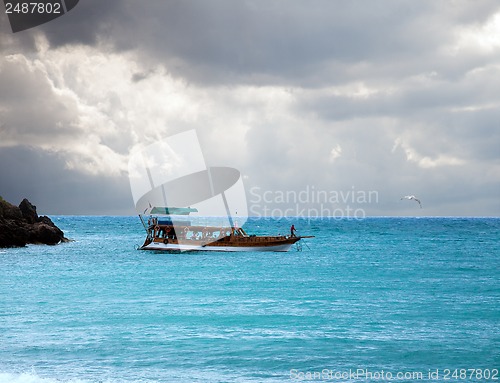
x: 32, y: 377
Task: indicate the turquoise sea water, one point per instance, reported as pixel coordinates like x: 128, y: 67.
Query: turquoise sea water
x: 398, y: 296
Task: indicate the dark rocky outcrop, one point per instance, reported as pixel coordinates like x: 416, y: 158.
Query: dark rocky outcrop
x: 22, y: 225
x: 28, y: 211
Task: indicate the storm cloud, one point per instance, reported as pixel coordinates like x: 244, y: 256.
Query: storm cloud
x: 393, y: 97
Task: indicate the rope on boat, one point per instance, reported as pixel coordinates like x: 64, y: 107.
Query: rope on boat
x: 305, y: 243
x: 298, y: 246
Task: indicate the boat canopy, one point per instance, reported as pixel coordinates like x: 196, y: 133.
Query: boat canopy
x: 172, y: 210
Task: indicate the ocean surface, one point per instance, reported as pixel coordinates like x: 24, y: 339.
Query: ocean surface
x: 379, y: 299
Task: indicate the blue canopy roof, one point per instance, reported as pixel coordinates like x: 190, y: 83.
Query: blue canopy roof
x: 172, y: 210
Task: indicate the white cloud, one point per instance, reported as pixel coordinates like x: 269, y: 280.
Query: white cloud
x: 82, y: 104
x: 335, y: 153
x: 484, y: 38
x: 426, y: 162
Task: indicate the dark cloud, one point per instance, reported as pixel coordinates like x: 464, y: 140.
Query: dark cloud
x: 305, y: 43
x: 299, y: 42
x: 88, y: 23
x: 43, y: 179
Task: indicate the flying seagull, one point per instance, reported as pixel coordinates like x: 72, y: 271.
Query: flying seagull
x: 412, y: 197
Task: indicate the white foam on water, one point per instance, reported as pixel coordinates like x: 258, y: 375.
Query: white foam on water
x: 32, y: 377
x: 177, y: 376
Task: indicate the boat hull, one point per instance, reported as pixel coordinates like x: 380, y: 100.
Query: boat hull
x: 175, y: 247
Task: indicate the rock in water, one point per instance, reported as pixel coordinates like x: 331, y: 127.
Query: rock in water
x: 12, y: 233
x: 44, y: 231
x: 21, y: 225
x: 28, y: 211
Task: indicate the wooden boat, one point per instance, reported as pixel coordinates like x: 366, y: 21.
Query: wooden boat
x: 168, y: 235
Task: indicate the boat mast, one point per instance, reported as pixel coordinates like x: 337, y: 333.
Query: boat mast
x: 143, y: 223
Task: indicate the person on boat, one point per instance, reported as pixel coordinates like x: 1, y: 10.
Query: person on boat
x: 292, y: 231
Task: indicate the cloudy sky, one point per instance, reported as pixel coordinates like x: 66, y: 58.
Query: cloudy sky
x: 392, y: 97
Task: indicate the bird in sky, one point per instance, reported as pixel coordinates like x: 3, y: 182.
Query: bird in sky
x: 412, y: 197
